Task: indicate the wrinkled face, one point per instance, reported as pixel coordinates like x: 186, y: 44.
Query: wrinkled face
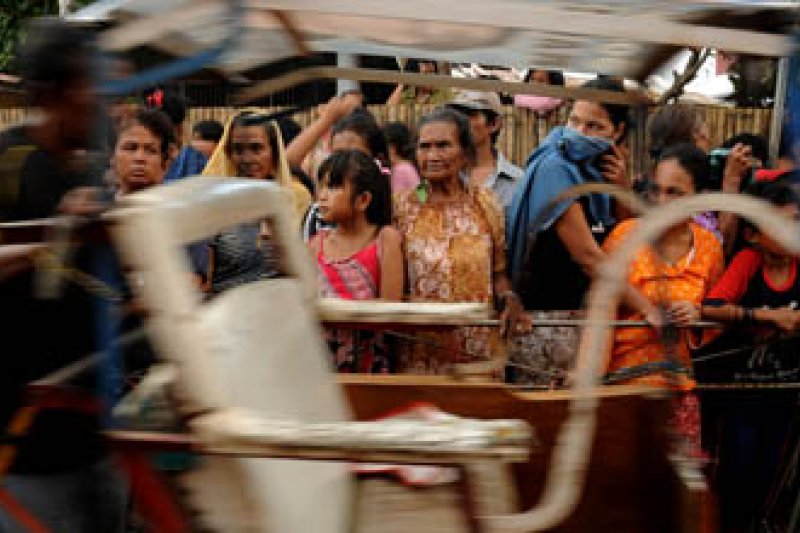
x: 138, y: 161
x: 792, y: 214
x: 591, y: 119
x: 670, y: 182
x: 349, y: 140
x: 439, y: 154
x: 250, y: 152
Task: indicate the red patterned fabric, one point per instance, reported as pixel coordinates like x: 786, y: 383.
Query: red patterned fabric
x: 356, y: 278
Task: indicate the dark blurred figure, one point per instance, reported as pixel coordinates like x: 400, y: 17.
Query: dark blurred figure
x: 61, y: 473
x: 205, y: 136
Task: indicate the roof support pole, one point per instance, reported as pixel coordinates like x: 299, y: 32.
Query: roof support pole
x: 778, y: 109
x: 346, y: 61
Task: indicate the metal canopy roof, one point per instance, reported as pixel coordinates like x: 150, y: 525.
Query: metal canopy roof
x: 609, y: 36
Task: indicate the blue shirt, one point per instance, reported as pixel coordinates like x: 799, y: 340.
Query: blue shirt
x: 190, y: 162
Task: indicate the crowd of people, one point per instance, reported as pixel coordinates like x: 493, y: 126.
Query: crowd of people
x: 433, y: 213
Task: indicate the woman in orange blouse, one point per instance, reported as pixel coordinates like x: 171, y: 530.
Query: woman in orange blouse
x: 674, y: 274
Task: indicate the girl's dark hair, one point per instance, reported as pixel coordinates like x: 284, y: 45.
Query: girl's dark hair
x: 777, y: 193
x: 361, y: 171
x: 399, y: 136
x: 248, y: 119
x: 691, y: 159
x: 554, y: 77
x: 157, y: 123
x: 449, y: 115
x: 175, y: 107
x: 672, y: 124
x: 362, y: 123
x: 618, y: 113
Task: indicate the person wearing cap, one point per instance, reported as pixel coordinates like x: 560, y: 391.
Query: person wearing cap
x: 490, y: 169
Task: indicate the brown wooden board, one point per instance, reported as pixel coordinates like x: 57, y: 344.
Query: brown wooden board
x: 630, y: 484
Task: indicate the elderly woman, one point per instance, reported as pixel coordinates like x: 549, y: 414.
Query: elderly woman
x: 454, y: 245
x: 251, y: 147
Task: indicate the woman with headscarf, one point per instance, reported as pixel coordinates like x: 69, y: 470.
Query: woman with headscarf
x: 251, y: 147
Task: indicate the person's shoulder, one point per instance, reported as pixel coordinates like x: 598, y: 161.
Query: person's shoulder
x: 748, y: 258
x: 389, y: 236
x: 508, y: 169
x: 405, y: 200
x: 707, y: 238
x: 625, y: 227
x: 301, y: 193
x: 555, y: 170
x: 486, y: 197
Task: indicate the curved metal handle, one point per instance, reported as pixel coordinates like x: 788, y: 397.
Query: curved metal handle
x: 570, y: 459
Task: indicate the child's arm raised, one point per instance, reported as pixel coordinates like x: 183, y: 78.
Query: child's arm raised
x: 391, y: 257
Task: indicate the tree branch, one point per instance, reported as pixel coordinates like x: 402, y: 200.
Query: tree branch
x: 689, y: 73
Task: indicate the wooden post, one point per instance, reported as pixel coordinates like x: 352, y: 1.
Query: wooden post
x: 778, y: 109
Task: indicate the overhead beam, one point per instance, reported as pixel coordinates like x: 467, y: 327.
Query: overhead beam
x: 548, y: 18
x: 296, y: 77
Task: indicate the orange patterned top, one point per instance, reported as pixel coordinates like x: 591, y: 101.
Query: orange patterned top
x: 690, y: 279
x: 452, y: 250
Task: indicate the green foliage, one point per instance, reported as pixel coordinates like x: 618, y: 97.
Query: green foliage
x: 753, y: 80
x: 13, y: 16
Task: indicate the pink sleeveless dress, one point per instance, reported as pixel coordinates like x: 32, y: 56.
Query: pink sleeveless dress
x: 354, y: 278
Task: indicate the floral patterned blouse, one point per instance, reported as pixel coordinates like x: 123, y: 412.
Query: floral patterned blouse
x: 452, y: 249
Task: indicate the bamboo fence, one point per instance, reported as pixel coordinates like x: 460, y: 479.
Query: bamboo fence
x: 522, y: 130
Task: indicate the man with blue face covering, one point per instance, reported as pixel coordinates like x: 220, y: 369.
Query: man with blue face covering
x: 554, y: 250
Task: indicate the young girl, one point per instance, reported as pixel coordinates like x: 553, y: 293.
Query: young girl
x: 356, y: 131
x: 359, y: 258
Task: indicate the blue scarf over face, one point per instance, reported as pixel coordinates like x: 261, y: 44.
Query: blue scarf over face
x: 564, y: 159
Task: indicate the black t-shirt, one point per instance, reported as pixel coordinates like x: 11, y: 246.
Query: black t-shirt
x: 553, y: 280
x: 41, y: 336
x: 775, y: 358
